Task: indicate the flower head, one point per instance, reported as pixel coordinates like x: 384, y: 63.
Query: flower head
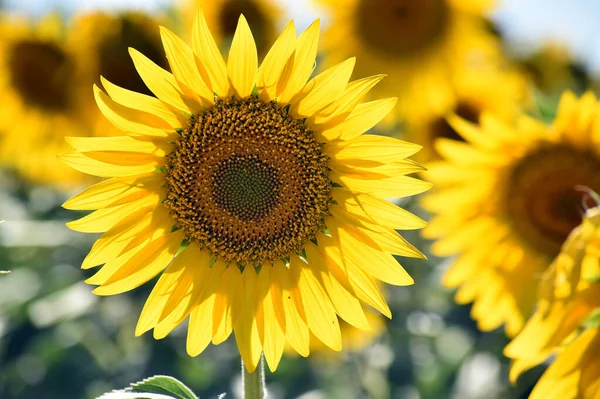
x: 566, y: 320
x: 254, y: 192
x: 506, y: 200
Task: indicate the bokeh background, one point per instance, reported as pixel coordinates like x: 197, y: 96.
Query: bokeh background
x: 59, y: 341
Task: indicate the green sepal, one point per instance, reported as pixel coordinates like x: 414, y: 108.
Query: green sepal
x: 593, y: 279
x: 592, y: 320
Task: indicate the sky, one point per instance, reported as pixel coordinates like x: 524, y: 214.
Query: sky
x: 527, y: 23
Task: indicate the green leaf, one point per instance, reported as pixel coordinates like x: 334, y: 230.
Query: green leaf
x: 546, y: 106
x: 593, y: 279
x: 133, y: 395
x: 593, y: 320
x: 163, y: 384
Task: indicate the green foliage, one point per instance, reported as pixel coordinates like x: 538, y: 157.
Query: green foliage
x: 593, y: 320
x: 157, y: 387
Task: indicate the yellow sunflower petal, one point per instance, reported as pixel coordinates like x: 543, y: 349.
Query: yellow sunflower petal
x: 361, y: 119
x: 114, y: 192
x: 320, y: 312
x: 94, y: 167
x: 243, y: 60
x: 302, y: 66
x: 272, y: 66
x: 227, y: 297
x: 246, y: 329
x: 338, y: 110
x: 183, y: 65
x: 208, y: 53
x: 296, y: 327
x: 376, y: 210
x: 400, y: 186
x: 322, y: 90
x: 130, y: 120
x: 377, y: 149
x: 141, y: 268
x: 161, y: 83
x: 173, y: 116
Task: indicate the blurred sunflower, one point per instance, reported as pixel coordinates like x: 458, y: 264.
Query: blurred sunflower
x: 513, y: 190
x: 102, y: 42
x: 41, y: 102
x: 422, y: 45
x: 566, y: 321
x: 256, y: 191
x: 222, y: 18
x: 502, y: 93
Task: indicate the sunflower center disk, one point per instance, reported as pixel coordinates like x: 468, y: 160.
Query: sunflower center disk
x: 115, y: 62
x: 229, y: 15
x: 40, y: 72
x: 401, y: 27
x: 543, y: 199
x: 248, y: 182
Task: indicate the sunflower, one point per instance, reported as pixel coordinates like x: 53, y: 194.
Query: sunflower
x: 506, y: 200
x: 566, y: 320
x: 422, y: 45
x: 501, y: 93
x: 41, y: 101
x: 254, y: 193
x: 222, y: 18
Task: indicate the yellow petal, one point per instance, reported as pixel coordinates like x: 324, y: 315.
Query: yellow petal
x: 183, y: 65
x: 243, y: 60
x: 273, y: 336
x: 142, y: 267
x: 296, y: 328
x: 272, y: 66
x: 322, y: 90
x: 302, y: 66
x: 227, y: 294
x: 377, y: 263
x: 370, y: 148
x: 210, y: 57
x: 161, y: 83
x: 130, y: 120
x: 199, y: 290
x: 94, y: 167
x: 396, y: 187
x: 246, y: 329
x: 320, y: 313
x: 361, y: 170
x: 337, y: 111
x: 347, y: 306
x: 199, y: 329
x: 114, y: 192
x: 375, y: 236
x: 103, y: 219
x: 159, y: 296
x: 113, y: 243
x: 361, y: 119
x: 376, y: 210
x: 118, y: 144
x: 142, y: 102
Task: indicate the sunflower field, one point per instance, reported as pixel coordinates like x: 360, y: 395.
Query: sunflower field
x: 386, y: 199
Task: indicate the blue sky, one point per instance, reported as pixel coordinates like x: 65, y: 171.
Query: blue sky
x: 528, y: 23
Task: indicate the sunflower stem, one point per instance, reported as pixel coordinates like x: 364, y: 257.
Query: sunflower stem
x: 254, y: 383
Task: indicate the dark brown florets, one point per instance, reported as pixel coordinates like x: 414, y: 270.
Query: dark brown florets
x: 248, y: 182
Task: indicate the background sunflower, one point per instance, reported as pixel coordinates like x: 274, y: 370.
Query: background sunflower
x: 40, y: 81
